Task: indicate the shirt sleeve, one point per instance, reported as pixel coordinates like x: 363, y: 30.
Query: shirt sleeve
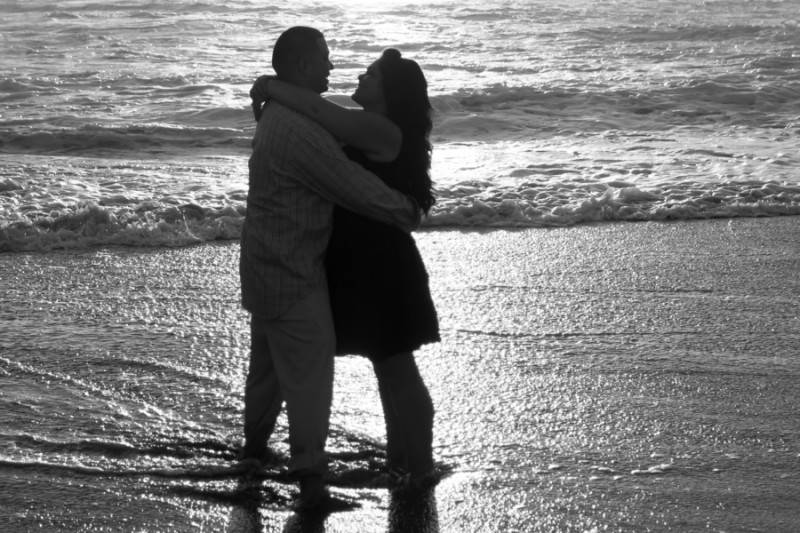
x: 325, y: 169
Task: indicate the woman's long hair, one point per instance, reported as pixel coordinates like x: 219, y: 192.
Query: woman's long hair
x: 408, y: 106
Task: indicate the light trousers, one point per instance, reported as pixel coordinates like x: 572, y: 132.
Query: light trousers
x: 291, y: 360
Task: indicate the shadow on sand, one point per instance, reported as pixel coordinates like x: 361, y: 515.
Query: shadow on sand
x: 409, y: 512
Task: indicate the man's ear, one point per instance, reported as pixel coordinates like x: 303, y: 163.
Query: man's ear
x: 301, y: 66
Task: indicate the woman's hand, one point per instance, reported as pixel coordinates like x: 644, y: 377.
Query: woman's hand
x: 259, y: 94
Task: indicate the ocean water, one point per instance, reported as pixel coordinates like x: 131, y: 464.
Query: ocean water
x: 128, y: 122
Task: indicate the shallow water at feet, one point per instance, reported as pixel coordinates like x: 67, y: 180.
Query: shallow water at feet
x: 648, y: 382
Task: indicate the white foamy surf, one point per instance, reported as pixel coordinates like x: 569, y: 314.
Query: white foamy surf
x: 129, y: 124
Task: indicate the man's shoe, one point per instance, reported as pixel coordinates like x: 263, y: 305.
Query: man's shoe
x: 265, y: 455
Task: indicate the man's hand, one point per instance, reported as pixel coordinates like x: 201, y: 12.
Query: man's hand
x: 259, y: 94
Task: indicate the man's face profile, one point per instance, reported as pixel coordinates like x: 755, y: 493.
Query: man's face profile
x: 318, y: 66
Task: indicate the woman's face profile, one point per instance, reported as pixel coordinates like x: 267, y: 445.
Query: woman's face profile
x: 369, y: 93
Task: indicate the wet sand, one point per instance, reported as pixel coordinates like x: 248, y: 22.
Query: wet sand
x: 614, y: 377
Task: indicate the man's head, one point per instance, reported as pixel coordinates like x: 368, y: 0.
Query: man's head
x: 301, y: 57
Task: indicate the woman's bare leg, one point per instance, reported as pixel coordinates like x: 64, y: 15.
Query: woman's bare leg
x: 409, y: 413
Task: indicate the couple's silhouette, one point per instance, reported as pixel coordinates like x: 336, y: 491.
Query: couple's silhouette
x: 328, y: 265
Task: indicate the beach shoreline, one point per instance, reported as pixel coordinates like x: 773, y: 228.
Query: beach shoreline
x: 614, y: 376
x: 613, y: 254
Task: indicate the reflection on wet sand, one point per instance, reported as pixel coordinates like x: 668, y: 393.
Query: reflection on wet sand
x: 245, y: 516
x: 415, y: 512
x: 408, y: 512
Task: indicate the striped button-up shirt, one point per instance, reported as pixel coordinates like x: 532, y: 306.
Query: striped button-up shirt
x: 297, y: 173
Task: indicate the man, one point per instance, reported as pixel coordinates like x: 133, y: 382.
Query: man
x: 297, y: 173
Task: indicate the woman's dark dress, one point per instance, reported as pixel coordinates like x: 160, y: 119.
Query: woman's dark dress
x: 378, y: 284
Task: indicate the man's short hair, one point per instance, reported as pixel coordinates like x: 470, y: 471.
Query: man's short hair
x: 296, y: 43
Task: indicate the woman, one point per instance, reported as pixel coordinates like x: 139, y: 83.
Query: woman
x: 380, y: 298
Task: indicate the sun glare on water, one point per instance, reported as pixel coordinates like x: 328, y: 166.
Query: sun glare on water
x: 379, y: 4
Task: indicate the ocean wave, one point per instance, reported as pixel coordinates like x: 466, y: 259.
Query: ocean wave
x: 735, y: 89
x: 475, y: 204
x: 95, y: 139
x: 566, y: 205
x: 679, y: 32
x: 498, y: 112
x: 12, y: 85
x: 504, y: 112
x: 7, y: 184
x: 147, y: 224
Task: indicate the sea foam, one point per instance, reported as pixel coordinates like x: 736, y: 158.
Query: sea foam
x: 165, y: 221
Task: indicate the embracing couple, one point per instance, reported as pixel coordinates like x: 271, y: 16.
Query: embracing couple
x: 328, y: 265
